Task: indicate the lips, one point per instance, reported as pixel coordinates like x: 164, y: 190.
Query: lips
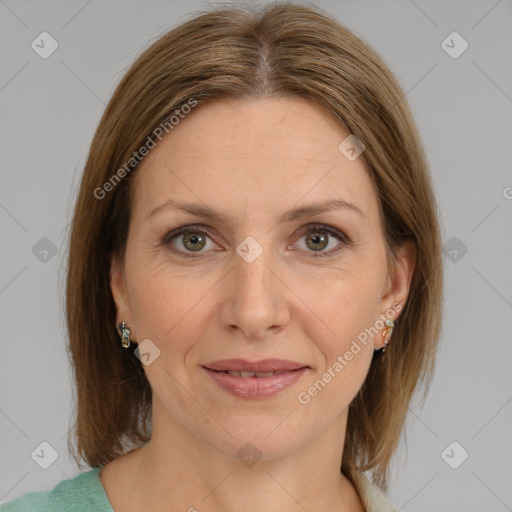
x: 260, y: 379
x: 239, y: 366
x: 259, y: 375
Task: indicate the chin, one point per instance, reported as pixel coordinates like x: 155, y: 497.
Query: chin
x: 264, y: 437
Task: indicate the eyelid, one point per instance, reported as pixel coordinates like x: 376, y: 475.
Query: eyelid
x: 308, y: 228
x: 324, y: 227
x: 332, y: 231
x: 187, y: 228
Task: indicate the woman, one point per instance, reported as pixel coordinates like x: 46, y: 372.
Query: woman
x: 255, y: 278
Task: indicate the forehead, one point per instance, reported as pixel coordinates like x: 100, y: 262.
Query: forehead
x: 266, y: 153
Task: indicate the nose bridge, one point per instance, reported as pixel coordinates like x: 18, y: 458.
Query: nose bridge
x: 252, y: 275
x: 255, y: 301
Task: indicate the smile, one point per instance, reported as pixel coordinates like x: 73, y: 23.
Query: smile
x: 246, y: 375
x: 255, y: 385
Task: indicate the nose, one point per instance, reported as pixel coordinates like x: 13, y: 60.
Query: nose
x: 255, y: 300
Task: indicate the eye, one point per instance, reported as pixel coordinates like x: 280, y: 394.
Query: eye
x: 189, y: 239
x: 318, y: 237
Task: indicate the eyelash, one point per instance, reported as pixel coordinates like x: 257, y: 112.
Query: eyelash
x: 197, y: 229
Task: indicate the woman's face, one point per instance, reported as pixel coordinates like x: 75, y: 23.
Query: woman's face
x: 260, y: 279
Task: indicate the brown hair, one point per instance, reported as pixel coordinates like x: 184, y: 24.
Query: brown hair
x: 279, y: 50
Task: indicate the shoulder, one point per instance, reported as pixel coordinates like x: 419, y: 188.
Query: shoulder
x: 32, y: 502
x: 373, y: 500
x: 82, y: 493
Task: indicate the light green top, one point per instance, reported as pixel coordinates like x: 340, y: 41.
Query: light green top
x: 85, y: 493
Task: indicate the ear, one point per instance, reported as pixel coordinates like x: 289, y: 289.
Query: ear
x: 120, y: 292
x: 398, y: 283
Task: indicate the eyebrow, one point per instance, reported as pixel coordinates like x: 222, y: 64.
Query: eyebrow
x: 295, y: 214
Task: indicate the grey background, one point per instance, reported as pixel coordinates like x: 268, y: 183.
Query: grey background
x: 49, y: 111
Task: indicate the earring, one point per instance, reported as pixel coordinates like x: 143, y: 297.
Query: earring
x: 386, y: 333
x: 125, y: 334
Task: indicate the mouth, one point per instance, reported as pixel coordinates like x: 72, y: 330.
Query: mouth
x: 245, y: 375
x: 261, y: 379
x: 263, y: 368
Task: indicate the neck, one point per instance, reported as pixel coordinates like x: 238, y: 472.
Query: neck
x: 179, y: 471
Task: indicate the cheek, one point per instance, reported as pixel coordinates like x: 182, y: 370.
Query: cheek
x: 167, y: 307
x: 346, y: 304
x: 345, y: 349
x: 347, y: 308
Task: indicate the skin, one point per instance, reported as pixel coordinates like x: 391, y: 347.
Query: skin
x: 251, y: 161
